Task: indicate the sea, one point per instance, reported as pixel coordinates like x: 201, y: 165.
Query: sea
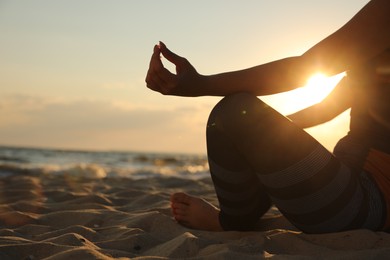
x: 101, y: 164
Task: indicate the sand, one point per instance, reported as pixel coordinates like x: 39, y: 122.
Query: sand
x: 68, y: 217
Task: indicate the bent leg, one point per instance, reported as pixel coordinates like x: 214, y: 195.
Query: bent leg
x: 242, y: 198
x: 257, y: 156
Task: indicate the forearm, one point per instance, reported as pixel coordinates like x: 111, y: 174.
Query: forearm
x: 270, y: 78
x: 309, y: 117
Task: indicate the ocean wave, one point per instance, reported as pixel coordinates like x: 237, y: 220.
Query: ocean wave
x: 89, y: 164
x: 98, y: 172
x: 6, y: 158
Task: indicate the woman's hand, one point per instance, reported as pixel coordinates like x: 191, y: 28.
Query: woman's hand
x: 186, y: 82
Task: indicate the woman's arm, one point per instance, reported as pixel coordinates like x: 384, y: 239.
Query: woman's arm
x: 334, y: 104
x: 363, y: 37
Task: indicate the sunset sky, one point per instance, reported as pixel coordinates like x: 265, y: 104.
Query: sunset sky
x: 72, y: 72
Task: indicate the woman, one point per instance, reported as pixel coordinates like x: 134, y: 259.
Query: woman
x: 259, y: 158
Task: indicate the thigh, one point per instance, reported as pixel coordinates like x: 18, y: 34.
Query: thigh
x: 259, y: 133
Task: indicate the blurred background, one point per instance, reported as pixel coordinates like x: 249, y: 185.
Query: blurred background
x: 72, y: 72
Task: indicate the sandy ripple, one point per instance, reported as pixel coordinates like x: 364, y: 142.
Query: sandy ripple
x: 65, y: 217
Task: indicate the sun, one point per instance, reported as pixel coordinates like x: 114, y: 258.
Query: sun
x: 318, y: 86
x: 316, y: 79
x: 316, y: 89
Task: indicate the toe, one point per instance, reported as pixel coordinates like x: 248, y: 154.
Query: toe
x: 180, y: 209
x: 180, y: 212
x: 181, y: 197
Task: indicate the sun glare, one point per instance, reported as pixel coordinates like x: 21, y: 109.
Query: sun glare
x: 316, y: 89
x: 316, y: 79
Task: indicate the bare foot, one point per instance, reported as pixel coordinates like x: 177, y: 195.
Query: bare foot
x: 195, y: 212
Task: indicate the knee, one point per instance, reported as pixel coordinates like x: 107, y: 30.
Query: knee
x: 235, y: 108
x: 235, y: 104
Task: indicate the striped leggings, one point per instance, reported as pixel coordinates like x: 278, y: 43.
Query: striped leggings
x: 258, y: 158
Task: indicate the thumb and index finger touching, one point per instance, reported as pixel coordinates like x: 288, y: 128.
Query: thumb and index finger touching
x: 158, y: 77
x: 156, y: 62
x: 168, y: 54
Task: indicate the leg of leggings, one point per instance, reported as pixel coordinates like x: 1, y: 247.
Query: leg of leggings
x: 242, y: 198
x: 317, y: 193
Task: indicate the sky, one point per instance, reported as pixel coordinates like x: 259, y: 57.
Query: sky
x: 72, y: 72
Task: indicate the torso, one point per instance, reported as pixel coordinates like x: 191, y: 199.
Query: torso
x: 370, y: 113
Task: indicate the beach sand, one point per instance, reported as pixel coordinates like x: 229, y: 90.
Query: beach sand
x: 67, y: 217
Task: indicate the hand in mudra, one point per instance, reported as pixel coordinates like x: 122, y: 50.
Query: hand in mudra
x: 186, y: 81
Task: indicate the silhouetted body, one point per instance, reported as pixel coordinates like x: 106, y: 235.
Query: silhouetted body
x: 258, y: 157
